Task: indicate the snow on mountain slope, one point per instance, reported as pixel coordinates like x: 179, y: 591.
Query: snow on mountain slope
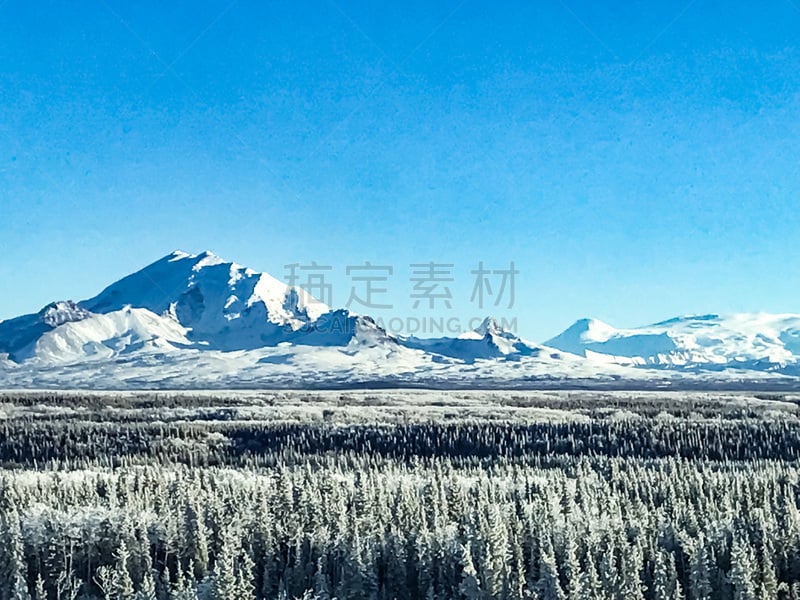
x: 488, y: 340
x: 225, y: 305
x: 749, y: 339
x: 184, y: 300
x: 108, y: 335
x: 342, y: 328
x: 181, y: 281
x: 593, y: 335
x: 19, y: 333
x: 5, y: 362
x: 307, y: 366
x: 195, y: 320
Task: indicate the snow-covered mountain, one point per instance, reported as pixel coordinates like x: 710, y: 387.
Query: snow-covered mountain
x: 18, y: 333
x: 105, y: 336
x: 488, y: 340
x: 182, y: 301
x: 223, y: 305
x: 759, y: 341
x: 196, y: 320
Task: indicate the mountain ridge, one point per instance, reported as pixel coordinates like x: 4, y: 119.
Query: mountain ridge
x: 197, y: 319
x: 710, y: 339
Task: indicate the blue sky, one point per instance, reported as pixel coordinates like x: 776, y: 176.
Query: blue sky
x: 636, y: 160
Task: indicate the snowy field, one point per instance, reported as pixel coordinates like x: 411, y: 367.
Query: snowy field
x: 382, y: 494
x: 382, y: 406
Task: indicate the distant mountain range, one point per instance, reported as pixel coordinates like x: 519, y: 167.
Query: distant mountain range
x: 196, y: 320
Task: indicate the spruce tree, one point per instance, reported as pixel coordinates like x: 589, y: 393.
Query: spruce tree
x: 15, y: 569
x: 469, y: 587
x: 699, y: 574
x: 121, y: 582
x: 665, y: 584
x: 742, y: 573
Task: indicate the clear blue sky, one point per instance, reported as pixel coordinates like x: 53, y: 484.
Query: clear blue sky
x: 637, y: 160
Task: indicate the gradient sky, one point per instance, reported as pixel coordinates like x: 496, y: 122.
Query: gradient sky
x: 637, y: 160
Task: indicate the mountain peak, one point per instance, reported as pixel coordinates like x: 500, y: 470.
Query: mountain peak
x: 591, y: 329
x: 220, y: 302
x: 58, y: 313
x: 688, y: 319
x: 582, y: 332
x: 209, y: 259
x: 204, y: 257
x: 489, y: 326
x: 177, y: 255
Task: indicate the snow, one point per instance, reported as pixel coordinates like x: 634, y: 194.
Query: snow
x: 294, y: 365
x: 105, y: 336
x: 488, y: 340
x: 223, y: 305
x: 58, y: 313
x: 197, y: 320
x: 582, y: 334
x: 213, y: 297
x: 740, y: 339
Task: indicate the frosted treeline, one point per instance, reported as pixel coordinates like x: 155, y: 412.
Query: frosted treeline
x: 367, y: 528
x: 606, y: 509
